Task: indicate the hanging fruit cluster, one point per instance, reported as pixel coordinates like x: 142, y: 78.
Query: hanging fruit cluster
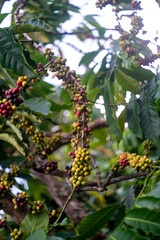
x: 136, y: 5
x: 36, y: 207
x: 102, y: 3
x: 137, y: 162
x: 20, y: 200
x: 147, y: 146
x: 50, y: 166
x: 80, y: 167
x: 16, y: 234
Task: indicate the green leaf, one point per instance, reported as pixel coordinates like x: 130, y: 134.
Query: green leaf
x: 149, y: 202
x: 11, y: 55
x: 157, y: 79
x: 88, y: 57
x: 145, y: 219
x: 151, y: 87
x: 92, y: 94
x: 38, y: 105
x: 10, y: 139
x: 38, y: 234
x: 133, y: 116
x: 109, y: 114
x: 155, y: 192
x: 3, y: 16
x: 32, y: 25
x: 95, y: 221
x: 127, y: 234
x: 61, y: 236
x: 31, y: 223
x: 15, y: 129
x: 6, y: 77
x: 55, y: 238
x: 127, y: 82
x: 130, y: 197
x: 149, y: 119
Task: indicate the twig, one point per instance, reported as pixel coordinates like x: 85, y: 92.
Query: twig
x: 16, y: 18
x: 107, y: 181
x: 124, y: 178
x: 64, y: 207
x: 97, y: 172
x: 92, y: 186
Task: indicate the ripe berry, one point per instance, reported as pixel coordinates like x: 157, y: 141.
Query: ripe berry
x: 78, y: 113
x: 70, y: 154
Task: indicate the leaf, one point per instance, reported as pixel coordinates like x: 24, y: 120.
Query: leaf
x: 11, y: 55
x: 38, y: 234
x: 127, y: 234
x: 133, y: 116
x: 32, y: 25
x: 149, y: 119
x: 149, y: 202
x: 111, y: 120
x: 6, y: 77
x: 61, y: 236
x: 10, y: 139
x: 94, y: 23
x: 127, y: 82
x: 151, y: 87
x: 92, y: 94
x: 31, y: 223
x: 3, y: 16
x: 55, y: 238
x: 130, y: 197
x: 38, y: 105
x: 88, y: 57
x: 157, y: 80
x: 95, y: 221
x: 145, y: 219
x: 15, y: 129
x: 155, y: 192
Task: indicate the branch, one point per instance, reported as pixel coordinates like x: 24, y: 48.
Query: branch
x: 97, y: 172
x: 92, y: 186
x: 17, y: 21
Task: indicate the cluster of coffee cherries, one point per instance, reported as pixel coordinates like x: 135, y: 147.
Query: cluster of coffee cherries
x: 52, y: 215
x: 12, y: 98
x: 147, y: 60
x: 126, y: 45
x: 139, y: 163
x: 6, y: 181
x: 41, y: 70
x: 16, y: 234
x: 14, y: 169
x: 2, y: 221
x: 137, y: 24
x: 122, y: 162
x: 102, y: 3
x: 24, y: 123
x: 36, y: 207
x: 50, y: 166
x: 80, y: 166
x: 136, y: 5
x: 147, y: 146
x: 20, y: 200
x: 6, y: 108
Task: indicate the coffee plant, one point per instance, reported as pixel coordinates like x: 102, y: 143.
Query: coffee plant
x: 69, y: 171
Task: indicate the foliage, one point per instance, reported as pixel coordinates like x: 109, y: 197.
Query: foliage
x: 68, y: 160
